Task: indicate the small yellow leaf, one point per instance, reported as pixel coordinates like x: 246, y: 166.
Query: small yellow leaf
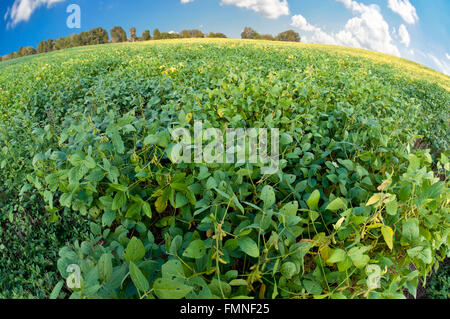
x: 374, y: 226
x: 325, y: 253
x: 160, y: 205
x: 373, y: 200
x: 158, y: 193
x: 189, y: 117
x: 339, y: 223
x: 388, y: 235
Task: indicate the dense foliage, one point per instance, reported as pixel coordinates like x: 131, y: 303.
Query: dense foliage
x: 439, y: 286
x: 362, y: 189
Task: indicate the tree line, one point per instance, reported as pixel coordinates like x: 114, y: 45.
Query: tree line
x: 118, y: 34
x: 289, y: 35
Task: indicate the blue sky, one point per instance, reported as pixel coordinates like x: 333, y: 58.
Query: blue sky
x: 414, y: 29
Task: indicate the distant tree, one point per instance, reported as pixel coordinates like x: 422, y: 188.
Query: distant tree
x: 25, y: 51
x: 85, y: 38
x: 146, y: 36
x: 186, y: 34
x: 98, y: 36
x: 15, y: 55
x: 133, y: 37
x: 156, y: 34
x: 75, y: 40
x: 45, y: 46
x: 290, y: 36
x: 268, y: 37
x: 192, y: 34
x: 118, y: 34
x: 216, y: 35
x: 62, y: 43
x: 169, y: 35
x: 197, y: 34
x: 249, y: 33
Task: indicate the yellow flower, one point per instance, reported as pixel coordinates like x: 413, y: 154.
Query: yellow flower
x: 38, y: 78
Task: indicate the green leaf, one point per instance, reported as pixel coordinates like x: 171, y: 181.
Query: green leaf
x: 422, y: 253
x: 97, y: 175
x: 138, y: 278
x: 312, y: 287
x: 119, y: 201
x: 414, y: 163
x: 268, y: 196
x: 211, y: 183
x: 196, y: 249
x: 76, y: 160
x: 105, y: 267
x: 66, y: 199
x: 356, y: 254
x: 337, y: 256
x: 166, y: 288
x: 336, y: 205
x: 151, y: 139
x: 146, y: 208
x: 135, y: 250
x: 117, y: 142
x: 410, y: 231
x: 391, y: 207
x: 348, y: 164
x: 89, y: 162
x: 313, y: 200
x: 134, y: 211
x: 288, y: 269
x: 108, y: 217
x: 290, y: 209
x: 172, y: 268
x: 249, y: 247
x: 286, y: 139
x: 55, y: 292
x: 180, y: 200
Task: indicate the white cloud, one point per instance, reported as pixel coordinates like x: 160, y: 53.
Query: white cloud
x: 404, y: 9
x: 318, y: 36
x: 5, y: 17
x: 447, y: 56
x: 272, y: 9
x: 186, y: 1
x: 22, y: 10
x: 367, y: 30
x: 404, y: 35
x: 443, y: 66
